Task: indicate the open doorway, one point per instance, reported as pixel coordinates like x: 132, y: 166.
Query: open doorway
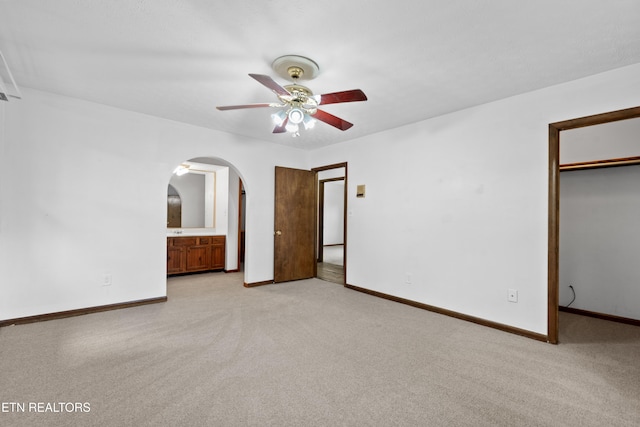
x: 204, y: 231
x: 241, y: 223
x: 555, y: 167
x: 331, y: 236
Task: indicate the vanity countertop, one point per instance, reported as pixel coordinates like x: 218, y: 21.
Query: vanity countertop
x: 177, y: 232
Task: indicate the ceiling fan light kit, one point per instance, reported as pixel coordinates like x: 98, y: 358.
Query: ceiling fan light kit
x: 296, y: 115
x: 298, y: 103
x: 182, y: 169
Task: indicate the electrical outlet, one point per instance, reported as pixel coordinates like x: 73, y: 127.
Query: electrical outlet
x: 512, y: 295
x: 407, y: 280
x: 107, y: 280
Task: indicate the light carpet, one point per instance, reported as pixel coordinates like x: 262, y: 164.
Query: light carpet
x: 312, y: 353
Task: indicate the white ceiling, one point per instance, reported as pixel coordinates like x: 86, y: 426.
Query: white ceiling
x: 415, y: 59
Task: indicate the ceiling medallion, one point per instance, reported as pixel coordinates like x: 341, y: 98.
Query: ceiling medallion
x: 295, y: 67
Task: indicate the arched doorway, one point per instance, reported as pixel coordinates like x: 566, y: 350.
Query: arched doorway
x: 209, y: 236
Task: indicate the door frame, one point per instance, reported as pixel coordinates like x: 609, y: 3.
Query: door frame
x: 241, y: 207
x: 346, y: 192
x: 553, y: 289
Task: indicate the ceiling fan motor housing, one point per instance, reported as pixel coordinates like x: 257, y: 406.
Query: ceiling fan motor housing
x: 301, y: 97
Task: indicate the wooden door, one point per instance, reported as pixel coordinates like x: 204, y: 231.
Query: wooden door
x: 295, y: 225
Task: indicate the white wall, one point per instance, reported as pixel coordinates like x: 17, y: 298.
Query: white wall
x: 600, y: 240
x: 210, y: 182
x: 461, y: 207
x: 232, y: 215
x: 613, y: 140
x: 462, y: 204
x: 222, y: 200
x: 91, y: 200
x: 333, y: 213
x: 3, y: 162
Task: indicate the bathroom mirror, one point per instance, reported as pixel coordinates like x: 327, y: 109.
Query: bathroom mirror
x: 191, y: 199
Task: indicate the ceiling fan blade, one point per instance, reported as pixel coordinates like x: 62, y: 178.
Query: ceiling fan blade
x: 334, y: 121
x: 271, y: 84
x: 344, y: 96
x: 282, y: 127
x: 239, y: 107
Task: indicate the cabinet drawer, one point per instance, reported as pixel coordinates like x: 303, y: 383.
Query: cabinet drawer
x: 205, y: 240
x: 185, y: 241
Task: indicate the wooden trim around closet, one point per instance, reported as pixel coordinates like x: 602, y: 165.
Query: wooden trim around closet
x: 603, y: 316
x: 554, y: 204
x: 594, y: 164
x: 553, y: 267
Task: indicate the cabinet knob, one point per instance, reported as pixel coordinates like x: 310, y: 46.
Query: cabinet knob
x: 278, y: 233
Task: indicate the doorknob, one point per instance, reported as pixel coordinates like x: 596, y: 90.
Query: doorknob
x: 278, y: 233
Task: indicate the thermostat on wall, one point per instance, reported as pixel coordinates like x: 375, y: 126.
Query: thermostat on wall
x: 360, y: 191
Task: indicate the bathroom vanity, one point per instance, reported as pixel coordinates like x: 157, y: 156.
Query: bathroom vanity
x: 188, y: 254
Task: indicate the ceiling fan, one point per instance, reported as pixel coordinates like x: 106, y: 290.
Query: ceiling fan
x: 298, y: 105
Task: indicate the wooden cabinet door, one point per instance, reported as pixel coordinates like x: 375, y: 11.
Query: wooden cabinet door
x: 217, y: 254
x: 176, y: 262
x: 191, y: 254
x: 198, y: 258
